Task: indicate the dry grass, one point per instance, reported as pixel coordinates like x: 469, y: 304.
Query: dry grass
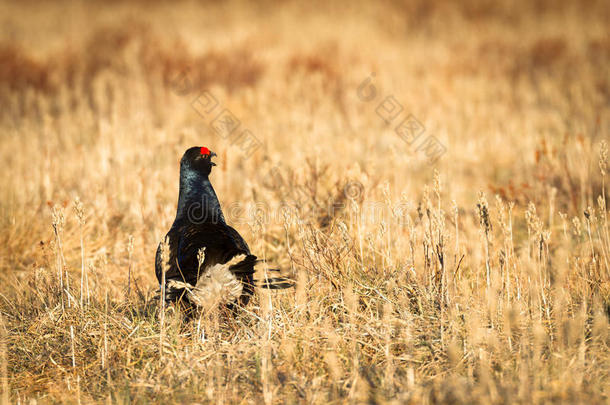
x: 483, y: 278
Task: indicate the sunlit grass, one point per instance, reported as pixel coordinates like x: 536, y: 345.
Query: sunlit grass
x: 480, y: 278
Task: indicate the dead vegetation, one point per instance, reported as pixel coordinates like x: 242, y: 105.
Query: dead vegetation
x: 481, y: 279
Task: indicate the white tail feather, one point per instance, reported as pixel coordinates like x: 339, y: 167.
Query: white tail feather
x: 217, y: 285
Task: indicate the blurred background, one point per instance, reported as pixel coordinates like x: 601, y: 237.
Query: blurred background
x: 99, y: 99
x: 492, y: 81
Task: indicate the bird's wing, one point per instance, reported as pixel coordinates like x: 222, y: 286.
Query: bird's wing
x: 171, y: 265
x: 171, y: 269
x: 221, y: 243
x: 237, y: 239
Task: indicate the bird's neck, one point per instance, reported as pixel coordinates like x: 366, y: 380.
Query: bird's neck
x: 197, y: 200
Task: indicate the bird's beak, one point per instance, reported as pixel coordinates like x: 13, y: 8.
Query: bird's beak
x: 212, y: 154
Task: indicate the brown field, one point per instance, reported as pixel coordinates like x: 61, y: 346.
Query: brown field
x: 482, y: 276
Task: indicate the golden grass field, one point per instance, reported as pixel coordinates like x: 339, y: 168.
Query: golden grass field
x: 480, y: 277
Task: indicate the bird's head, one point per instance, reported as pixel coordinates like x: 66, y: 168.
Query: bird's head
x: 198, y: 158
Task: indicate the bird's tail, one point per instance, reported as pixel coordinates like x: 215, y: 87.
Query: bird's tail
x: 242, y: 265
x: 270, y: 280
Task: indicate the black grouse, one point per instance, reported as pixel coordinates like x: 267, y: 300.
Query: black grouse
x: 200, y: 232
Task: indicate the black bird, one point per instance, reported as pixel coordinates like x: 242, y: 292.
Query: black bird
x: 200, y: 224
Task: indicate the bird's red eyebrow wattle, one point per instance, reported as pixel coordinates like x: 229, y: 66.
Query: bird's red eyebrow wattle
x: 205, y: 151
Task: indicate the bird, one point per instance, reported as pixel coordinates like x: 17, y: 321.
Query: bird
x: 206, y: 262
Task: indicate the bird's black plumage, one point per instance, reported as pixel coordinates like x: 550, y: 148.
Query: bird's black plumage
x: 200, y: 224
